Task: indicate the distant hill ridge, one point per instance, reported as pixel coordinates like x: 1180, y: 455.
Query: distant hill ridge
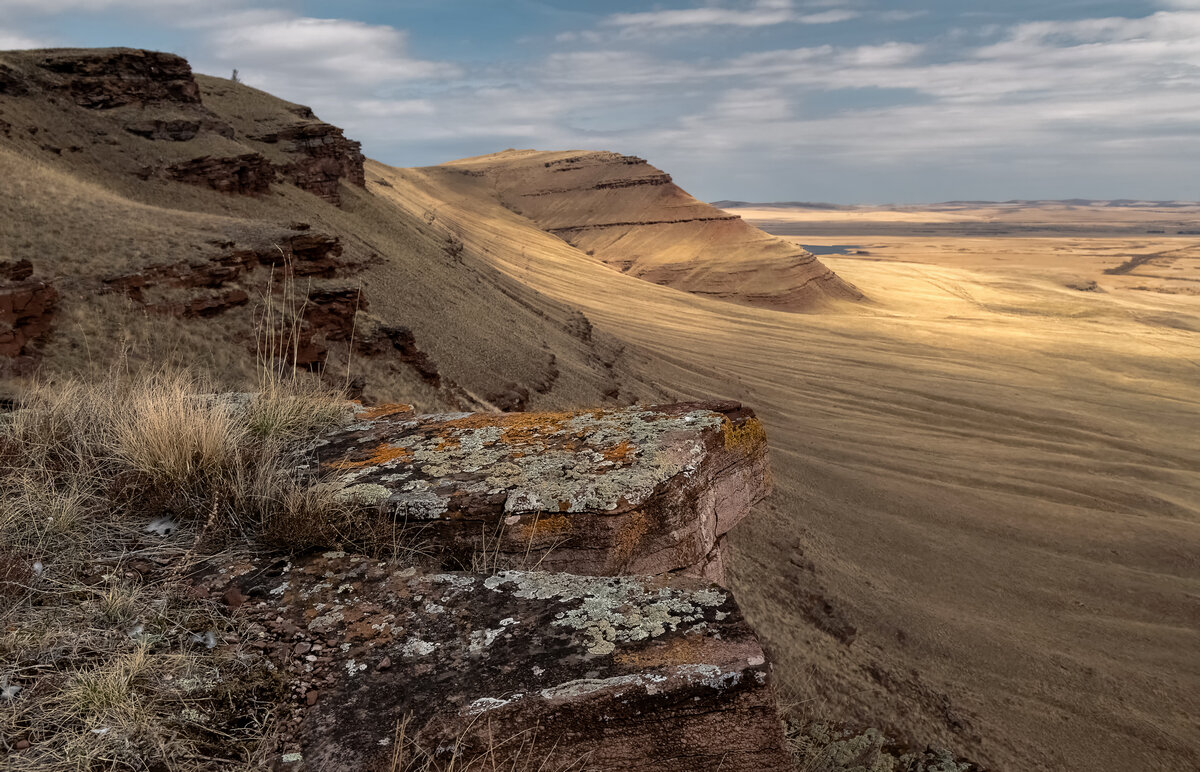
x: 1117, y: 202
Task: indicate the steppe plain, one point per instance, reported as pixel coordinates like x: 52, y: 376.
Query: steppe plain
x: 985, y: 531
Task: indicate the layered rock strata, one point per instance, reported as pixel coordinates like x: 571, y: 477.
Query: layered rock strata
x: 27, y: 312
x: 644, y: 490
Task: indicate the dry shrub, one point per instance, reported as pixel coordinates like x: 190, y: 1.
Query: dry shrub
x: 291, y: 408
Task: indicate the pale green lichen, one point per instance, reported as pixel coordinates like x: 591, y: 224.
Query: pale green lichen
x: 367, y: 494
x: 545, y: 468
x: 611, y: 610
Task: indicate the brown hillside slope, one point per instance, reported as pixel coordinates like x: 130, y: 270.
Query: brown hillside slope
x: 159, y: 206
x: 632, y: 217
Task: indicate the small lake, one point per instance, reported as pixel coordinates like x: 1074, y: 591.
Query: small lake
x: 831, y: 249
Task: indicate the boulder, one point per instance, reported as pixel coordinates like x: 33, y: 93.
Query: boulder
x: 530, y: 670
x: 639, y: 490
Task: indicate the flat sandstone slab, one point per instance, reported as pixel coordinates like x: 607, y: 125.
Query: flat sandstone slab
x: 544, y: 671
x: 639, y: 490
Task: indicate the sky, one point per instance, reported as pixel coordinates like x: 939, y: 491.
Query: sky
x: 848, y: 101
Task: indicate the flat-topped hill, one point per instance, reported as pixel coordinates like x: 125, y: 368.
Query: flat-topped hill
x: 631, y: 216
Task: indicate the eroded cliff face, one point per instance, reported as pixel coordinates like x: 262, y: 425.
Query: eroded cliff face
x: 632, y: 216
x: 154, y: 96
x: 594, y: 648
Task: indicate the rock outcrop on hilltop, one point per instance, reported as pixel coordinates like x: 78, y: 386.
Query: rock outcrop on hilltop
x: 630, y: 215
x: 621, y: 664
x: 118, y: 77
x: 154, y: 96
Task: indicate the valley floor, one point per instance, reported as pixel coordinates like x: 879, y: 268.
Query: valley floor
x: 986, y: 525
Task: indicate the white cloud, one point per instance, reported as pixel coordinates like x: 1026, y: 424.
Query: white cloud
x: 11, y: 41
x: 272, y: 48
x: 51, y: 7
x: 762, y: 13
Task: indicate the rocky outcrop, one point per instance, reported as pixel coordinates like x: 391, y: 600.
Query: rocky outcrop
x: 324, y: 157
x: 101, y: 79
x: 641, y: 490
x: 307, y: 254
x: 398, y: 341
x: 247, y: 174
x: 328, y: 315
x: 177, y: 130
x: 27, y: 311
x: 155, y: 96
x: 530, y: 670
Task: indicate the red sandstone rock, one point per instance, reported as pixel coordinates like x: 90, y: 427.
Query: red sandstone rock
x: 642, y: 490
x: 179, y: 130
x: 26, y: 313
x: 395, y: 340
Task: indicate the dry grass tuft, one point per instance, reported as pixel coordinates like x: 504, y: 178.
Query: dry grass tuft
x: 109, y: 493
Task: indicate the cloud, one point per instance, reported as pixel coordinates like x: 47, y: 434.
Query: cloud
x: 273, y: 47
x: 52, y: 7
x: 11, y: 41
x: 762, y: 13
x: 1080, y: 95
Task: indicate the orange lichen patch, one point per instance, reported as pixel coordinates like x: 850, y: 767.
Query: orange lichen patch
x: 519, y: 428
x: 543, y: 528
x: 629, y: 538
x: 534, y: 427
x: 564, y: 505
x: 366, y: 629
x: 380, y: 454
x: 448, y: 443
x: 620, y: 453
x: 748, y: 437
x: 681, y: 651
x: 383, y: 411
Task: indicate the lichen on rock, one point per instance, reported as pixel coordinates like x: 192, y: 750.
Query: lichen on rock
x: 633, y: 490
